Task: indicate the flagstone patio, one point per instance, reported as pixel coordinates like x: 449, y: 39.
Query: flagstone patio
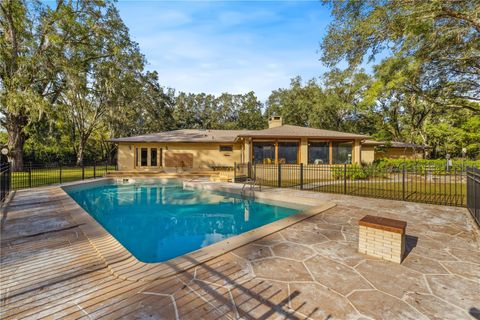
x: 310, y: 270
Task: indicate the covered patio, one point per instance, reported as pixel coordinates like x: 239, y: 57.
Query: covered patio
x: 286, y: 144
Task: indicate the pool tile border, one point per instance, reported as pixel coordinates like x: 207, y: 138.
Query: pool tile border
x: 124, y: 265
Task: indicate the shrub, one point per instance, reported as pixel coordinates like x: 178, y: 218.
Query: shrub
x: 437, y: 166
x: 354, y: 172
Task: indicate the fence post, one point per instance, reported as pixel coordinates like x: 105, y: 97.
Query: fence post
x: 83, y: 171
x: 301, y: 176
x: 249, y: 170
x: 455, y: 181
x: 403, y: 182
x: 60, y: 176
x: 106, y: 166
x: 234, y: 172
x: 30, y: 174
x: 279, y: 175
x: 474, y: 193
x: 10, y: 177
x: 344, y: 178
x: 94, y: 170
x: 3, y: 181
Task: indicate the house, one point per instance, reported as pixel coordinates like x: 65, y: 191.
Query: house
x: 374, y: 150
x: 210, y: 149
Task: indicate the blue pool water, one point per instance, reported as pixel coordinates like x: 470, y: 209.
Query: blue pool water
x: 160, y: 220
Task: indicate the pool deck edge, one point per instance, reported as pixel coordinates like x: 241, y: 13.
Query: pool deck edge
x: 124, y: 265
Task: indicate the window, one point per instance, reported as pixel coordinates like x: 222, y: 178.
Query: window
x: 226, y: 148
x: 342, y: 152
x: 153, y: 157
x: 287, y: 152
x: 143, y: 157
x: 263, y: 152
x: 319, y: 153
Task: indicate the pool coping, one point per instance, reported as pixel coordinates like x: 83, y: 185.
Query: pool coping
x: 124, y: 265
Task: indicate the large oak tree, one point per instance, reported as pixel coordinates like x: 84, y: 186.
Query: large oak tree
x: 437, y: 42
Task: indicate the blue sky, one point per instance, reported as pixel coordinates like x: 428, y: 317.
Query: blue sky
x: 228, y: 46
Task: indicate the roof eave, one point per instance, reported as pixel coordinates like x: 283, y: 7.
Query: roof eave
x: 170, y: 141
x: 302, y: 136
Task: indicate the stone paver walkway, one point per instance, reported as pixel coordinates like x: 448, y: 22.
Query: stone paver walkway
x: 309, y: 270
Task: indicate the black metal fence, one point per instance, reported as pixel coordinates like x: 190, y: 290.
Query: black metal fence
x: 37, y: 175
x: 473, y: 192
x: 5, y: 180
x: 425, y: 183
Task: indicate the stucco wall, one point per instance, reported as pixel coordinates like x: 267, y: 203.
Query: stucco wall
x: 125, y: 157
x: 399, y: 153
x: 205, y: 155
x: 368, y: 154
x: 208, y: 154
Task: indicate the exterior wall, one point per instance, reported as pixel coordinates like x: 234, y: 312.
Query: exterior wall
x: 125, y: 157
x: 368, y: 154
x: 399, y: 153
x: 205, y: 155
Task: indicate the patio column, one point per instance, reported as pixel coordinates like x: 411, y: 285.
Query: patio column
x: 357, y: 150
x: 303, y: 151
x: 276, y: 151
x: 247, y: 150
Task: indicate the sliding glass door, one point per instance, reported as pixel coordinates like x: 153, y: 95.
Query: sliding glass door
x: 342, y: 152
x: 263, y: 152
x: 275, y: 152
x: 330, y: 152
x: 319, y: 152
x: 288, y: 152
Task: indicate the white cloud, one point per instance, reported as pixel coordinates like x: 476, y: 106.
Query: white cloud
x: 232, y: 18
x: 208, y: 48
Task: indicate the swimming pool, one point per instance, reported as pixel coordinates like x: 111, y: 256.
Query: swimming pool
x: 160, y: 220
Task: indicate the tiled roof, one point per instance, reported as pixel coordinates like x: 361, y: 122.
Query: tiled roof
x: 298, y: 132
x: 186, y: 135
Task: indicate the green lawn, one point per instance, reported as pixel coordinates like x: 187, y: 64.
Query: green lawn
x: 43, y: 177
x: 444, y: 192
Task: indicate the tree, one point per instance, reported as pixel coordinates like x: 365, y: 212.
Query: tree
x: 227, y: 111
x: 337, y: 105
x: 102, y: 75
x: 345, y: 99
x: 44, y: 53
x: 30, y: 79
x: 438, y: 42
x: 299, y: 105
x: 249, y: 113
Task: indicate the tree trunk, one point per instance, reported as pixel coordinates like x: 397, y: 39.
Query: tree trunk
x: 16, y: 140
x: 80, y: 153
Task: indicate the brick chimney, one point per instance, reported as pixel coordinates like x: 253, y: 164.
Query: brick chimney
x: 275, y: 121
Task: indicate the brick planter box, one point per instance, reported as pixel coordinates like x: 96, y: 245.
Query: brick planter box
x: 382, y: 238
